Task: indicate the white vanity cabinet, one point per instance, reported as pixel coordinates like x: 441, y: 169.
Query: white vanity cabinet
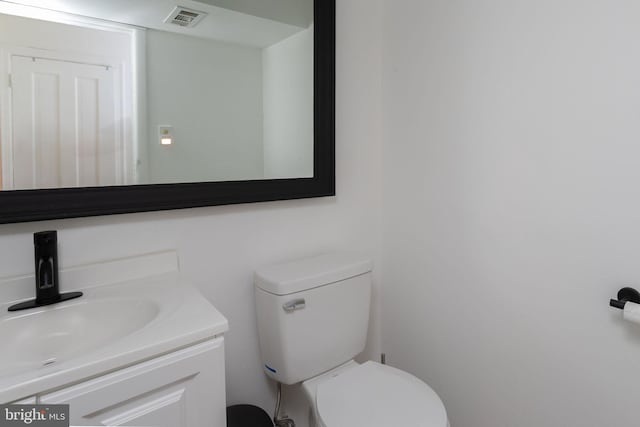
x: 141, y: 347
x: 26, y: 401
x: 185, y: 388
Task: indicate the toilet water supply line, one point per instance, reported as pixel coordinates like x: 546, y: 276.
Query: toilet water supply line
x: 285, y: 421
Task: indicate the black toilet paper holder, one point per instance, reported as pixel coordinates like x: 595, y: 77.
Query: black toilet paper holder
x: 625, y: 295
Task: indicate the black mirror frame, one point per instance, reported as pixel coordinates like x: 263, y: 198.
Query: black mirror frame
x: 37, y: 205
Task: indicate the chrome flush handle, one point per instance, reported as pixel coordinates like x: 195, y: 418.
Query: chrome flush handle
x: 296, y: 304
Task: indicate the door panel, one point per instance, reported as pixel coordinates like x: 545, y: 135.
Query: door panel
x: 66, y: 124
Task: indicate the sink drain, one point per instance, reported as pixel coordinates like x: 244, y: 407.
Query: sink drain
x: 49, y: 361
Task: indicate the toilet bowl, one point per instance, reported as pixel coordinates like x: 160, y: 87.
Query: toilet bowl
x: 313, y: 317
x: 372, y: 395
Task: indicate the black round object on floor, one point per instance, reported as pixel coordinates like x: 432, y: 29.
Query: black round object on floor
x: 247, y: 416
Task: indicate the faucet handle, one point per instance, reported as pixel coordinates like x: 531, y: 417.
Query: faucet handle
x: 46, y: 272
x: 45, y: 244
x: 45, y: 279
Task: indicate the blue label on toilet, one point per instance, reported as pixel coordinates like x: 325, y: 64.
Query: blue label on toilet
x: 269, y: 368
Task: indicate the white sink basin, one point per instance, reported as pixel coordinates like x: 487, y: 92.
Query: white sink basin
x: 124, y: 317
x: 54, y: 334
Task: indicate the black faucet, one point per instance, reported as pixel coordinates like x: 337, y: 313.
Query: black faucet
x: 46, y: 269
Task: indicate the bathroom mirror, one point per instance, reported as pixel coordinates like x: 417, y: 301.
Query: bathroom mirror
x: 116, y: 106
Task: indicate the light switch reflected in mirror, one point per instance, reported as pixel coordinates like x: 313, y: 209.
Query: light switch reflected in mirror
x: 125, y: 92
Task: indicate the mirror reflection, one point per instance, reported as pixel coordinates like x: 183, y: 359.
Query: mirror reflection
x: 125, y: 92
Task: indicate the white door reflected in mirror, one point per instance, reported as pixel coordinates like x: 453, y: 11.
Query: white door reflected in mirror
x: 67, y: 127
x: 88, y: 89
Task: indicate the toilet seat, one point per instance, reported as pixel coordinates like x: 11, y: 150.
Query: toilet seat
x: 375, y: 395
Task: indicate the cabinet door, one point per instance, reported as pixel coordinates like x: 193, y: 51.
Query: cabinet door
x: 181, y: 389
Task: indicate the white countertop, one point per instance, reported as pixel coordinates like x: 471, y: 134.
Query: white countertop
x: 184, y: 317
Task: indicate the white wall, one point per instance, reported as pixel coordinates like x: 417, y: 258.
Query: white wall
x: 26, y: 32
x: 288, y: 107
x: 211, y: 93
x: 221, y: 246
x: 511, y: 206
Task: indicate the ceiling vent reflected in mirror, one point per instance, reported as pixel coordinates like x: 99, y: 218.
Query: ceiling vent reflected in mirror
x: 185, y: 17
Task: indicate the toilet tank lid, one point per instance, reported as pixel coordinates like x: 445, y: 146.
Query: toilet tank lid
x: 308, y: 273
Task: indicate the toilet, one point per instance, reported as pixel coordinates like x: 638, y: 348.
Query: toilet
x: 313, y: 316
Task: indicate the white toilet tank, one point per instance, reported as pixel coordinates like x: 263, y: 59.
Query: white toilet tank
x: 313, y: 314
